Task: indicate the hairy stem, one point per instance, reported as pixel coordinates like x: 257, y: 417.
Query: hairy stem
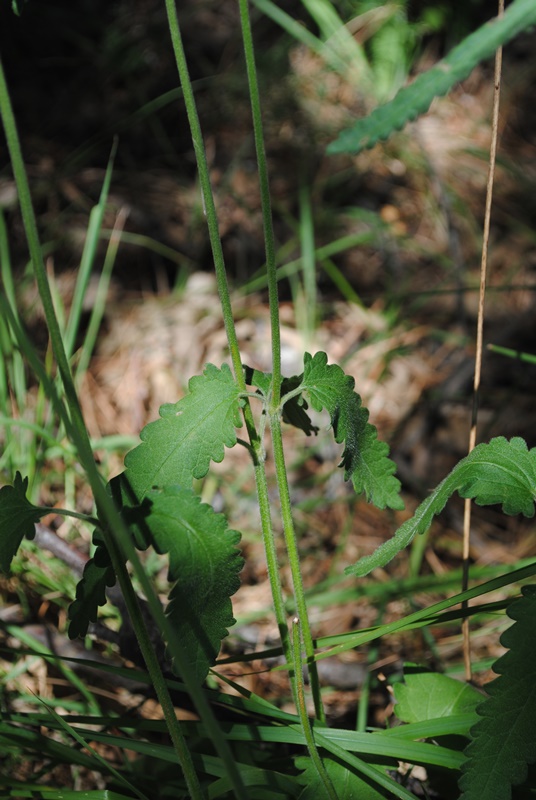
x: 223, y: 289
x: 294, y: 561
x: 302, y: 711
x: 275, y: 399
x: 265, y: 200
x: 271, y: 559
x: 209, y: 207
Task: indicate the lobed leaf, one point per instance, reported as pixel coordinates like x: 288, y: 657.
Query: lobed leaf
x: 504, y: 739
x: 180, y: 445
x: 91, y: 590
x: 365, y: 458
x: 415, y: 99
x: 501, y: 471
x: 204, y: 565
x: 17, y: 519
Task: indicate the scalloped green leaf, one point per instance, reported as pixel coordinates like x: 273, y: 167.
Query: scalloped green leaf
x: 415, y: 99
x: 189, y: 435
x: 365, y: 458
x: 91, y: 590
x: 204, y: 567
x: 504, y: 739
x: 500, y: 472
x: 17, y: 519
x: 428, y: 695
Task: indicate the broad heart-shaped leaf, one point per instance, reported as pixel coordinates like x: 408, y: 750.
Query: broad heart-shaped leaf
x: 501, y: 471
x: 91, y: 590
x: 504, y: 740
x: 204, y: 564
x: 180, y: 445
x: 365, y: 458
x: 17, y: 519
x: 347, y: 784
x: 428, y: 695
x: 415, y: 99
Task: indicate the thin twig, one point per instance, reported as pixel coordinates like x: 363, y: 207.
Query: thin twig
x: 479, y: 338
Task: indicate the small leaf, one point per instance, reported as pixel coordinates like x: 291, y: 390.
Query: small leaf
x: 91, y: 590
x: 365, y: 458
x: 348, y: 785
x: 204, y: 565
x: 504, y: 739
x: 179, y: 446
x: 17, y: 519
x: 294, y: 409
x: 428, y: 695
x: 415, y: 99
x: 498, y: 472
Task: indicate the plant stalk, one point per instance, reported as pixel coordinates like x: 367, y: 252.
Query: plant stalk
x: 271, y: 560
x: 223, y: 290
x: 294, y: 561
x: 209, y: 207
x: 302, y: 711
x: 266, y: 205
x: 274, y: 401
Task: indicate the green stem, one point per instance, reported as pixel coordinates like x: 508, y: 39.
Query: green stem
x: 64, y: 512
x: 308, y: 262
x: 77, y: 431
x: 266, y: 207
x: 274, y: 403
x: 206, y: 190
x: 87, y: 260
x: 271, y: 559
x: 223, y: 290
x: 294, y: 561
x: 302, y: 711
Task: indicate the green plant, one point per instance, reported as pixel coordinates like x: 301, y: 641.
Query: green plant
x: 152, y: 504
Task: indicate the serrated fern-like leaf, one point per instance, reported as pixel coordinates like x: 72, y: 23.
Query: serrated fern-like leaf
x: 17, y: 519
x: 204, y: 565
x: 415, y: 99
x: 365, y: 458
x: 504, y: 739
x: 501, y: 471
x: 189, y: 434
